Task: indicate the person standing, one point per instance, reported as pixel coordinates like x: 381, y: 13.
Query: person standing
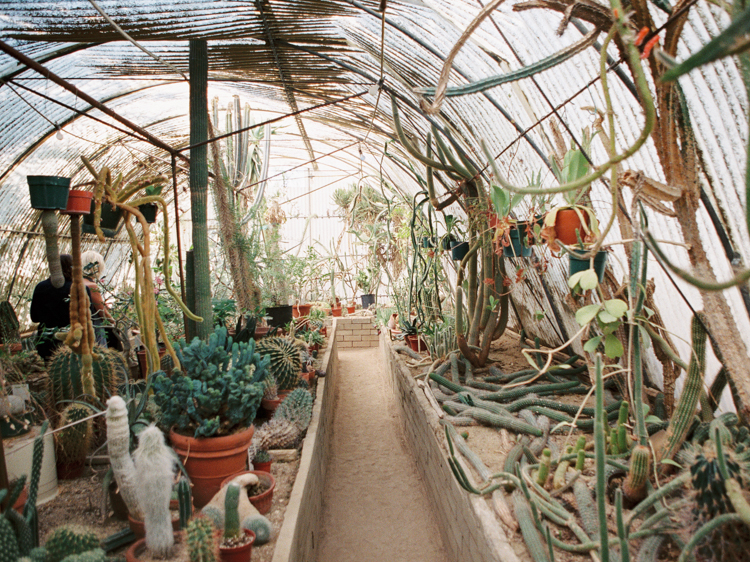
x: 93, y: 264
x: 50, y: 307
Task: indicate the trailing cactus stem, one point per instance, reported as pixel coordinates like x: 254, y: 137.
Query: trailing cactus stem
x: 686, y: 407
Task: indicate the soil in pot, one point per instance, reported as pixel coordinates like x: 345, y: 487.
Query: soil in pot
x: 237, y: 550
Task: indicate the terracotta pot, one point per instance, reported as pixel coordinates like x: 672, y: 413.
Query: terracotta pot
x: 336, y: 310
x: 567, y: 222
x: 238, y: 553
x: 211, y: 460
x: 299, y: 310
x: 351, y: 309
x: 79, y: 202
x: 261, y: 332
x: 137, y: 551
x: 270, y: 405
x: 11, y: 348
x: 139, y: 528
x: 143, y: 364
x: 262, y: 502
x: 309, y: 376
x: 416, y: 343
x: 263, y: 466
x: 21, y: 501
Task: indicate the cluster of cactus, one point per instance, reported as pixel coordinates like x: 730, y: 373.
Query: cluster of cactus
x: 201, y: 544
x: 69, y: 540
x: 289, y: 421
x: 73, y: 442
x: 65, y: 367
x: 219, y: 388
x: 9, y: 326
x: 285, y: 361
x: 270, y: 388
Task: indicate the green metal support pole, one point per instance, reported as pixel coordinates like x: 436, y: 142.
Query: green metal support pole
x: 200, y: 280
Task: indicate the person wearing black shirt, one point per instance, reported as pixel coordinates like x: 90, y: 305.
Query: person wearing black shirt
x: 50, y: 307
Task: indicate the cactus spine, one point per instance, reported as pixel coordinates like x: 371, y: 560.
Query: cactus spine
x: 634, y: 486
x: 685, y: 409
x: 200, y: 540
x: 290, y: 419
x: 231, y: 512
x: 69, y: 540
x: 9, y: 550
x: 285, y: 365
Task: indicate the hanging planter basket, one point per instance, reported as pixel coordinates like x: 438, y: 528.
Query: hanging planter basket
x: 149, y: 210
x: 79, y: 202
x: 459, y: 250
x: 48, y: 192
x: 600, y: 264
x: 518, y: 247
x: 109, y: 221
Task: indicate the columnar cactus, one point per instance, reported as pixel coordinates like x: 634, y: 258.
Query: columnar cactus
x: 72, y: 443
x: 118, y: 443
x: 285, y: 362
x: 231, y: 512
x: 154, y: 464
x: 199, y: 536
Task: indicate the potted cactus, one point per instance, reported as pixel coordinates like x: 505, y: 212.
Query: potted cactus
x: 285, y: 363
x: 209, y: 407
x: 237, y: 543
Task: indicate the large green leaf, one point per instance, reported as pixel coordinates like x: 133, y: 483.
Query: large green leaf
x: 612, y: 347
x: 591, y: 345
x: 616, y: 307
x: 587, y: 313
x: 500, y: 201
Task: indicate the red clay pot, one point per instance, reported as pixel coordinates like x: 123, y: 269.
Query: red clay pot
x: 270, y: 405
x: 211, y: 460
x: 238, y: 553
x: 138, y: 549
x: 336, y: 310
x: 301, y: 310
x: 416, y: 343
x: 79, y: 202
x: 262, y: 502
x: 263, y: 466
x: 566, y: 223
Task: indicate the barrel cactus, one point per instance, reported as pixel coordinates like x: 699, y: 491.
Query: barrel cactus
x: 72, y: 443
x: 289, y: 421
x: 65, y: 373
x: 69, y: 540
x: 199, y: 536
x: 285, y: 361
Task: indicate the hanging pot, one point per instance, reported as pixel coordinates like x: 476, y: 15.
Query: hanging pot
x: 428, y: 242
x: 48, y: 192
x: 459, y: 250
x: 149, y: 210
x: 445, y: 241
x: 518, y: 247
x: 109, y: 221
x: 600, y: 264
x: 567, y: 221
x: 211, y: 460
x: 79, y: 202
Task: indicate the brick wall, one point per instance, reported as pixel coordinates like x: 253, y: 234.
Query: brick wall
x: 355, y: 331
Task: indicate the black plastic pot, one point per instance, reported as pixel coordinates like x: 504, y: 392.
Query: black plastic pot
x: 368, y: 300
x: 48, y: 192
x: 109, y: 221
x: 280, y: 315
x: 148, y: 210
x: 459, y: 250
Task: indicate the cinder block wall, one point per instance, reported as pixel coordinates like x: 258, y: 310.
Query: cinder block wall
x: 355, y: 331
x: 469, y: 529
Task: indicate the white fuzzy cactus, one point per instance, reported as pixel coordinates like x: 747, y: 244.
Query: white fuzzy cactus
x: 145, y: 480
x: 154, y: 467
x: 118, y: 443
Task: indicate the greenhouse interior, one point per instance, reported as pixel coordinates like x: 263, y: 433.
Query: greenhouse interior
x: 405, y: 280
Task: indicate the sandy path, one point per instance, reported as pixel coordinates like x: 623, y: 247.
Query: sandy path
x: 374, y: 507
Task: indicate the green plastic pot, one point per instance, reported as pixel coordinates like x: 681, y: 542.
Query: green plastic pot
x: 600, y: 264
x: 48, y: 192
x: 518, y: 247
x: 109, y: 221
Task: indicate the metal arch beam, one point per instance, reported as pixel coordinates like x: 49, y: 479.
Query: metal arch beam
x: 288, y: 91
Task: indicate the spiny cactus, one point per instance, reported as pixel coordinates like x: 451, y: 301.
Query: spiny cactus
x: 634, y: 486
x: 8, y: 323
x: 9, y: 550
x: 231, y: 512
x: 202, y: 546
x: 290, y: 419
x: 711, y: 496
x: 94, y: 555
x: 68, y: 540
x: 219, y: 389
x: 296, y: 408
x: 270, y: 388
x: 285, y: 362
x: 65, y: 373
x: 72, y: 443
